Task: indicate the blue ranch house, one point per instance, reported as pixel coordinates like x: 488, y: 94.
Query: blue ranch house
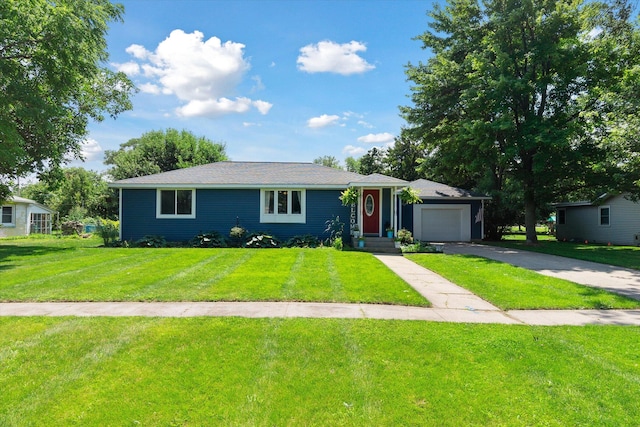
x: 289, y: 199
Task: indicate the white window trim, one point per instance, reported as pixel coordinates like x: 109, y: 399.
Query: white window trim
x: 159, y: 214
x: 13, y: 216
x: 600, y: 208
x: 275, y: 217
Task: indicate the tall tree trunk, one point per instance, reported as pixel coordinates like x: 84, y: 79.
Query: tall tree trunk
x: 530, y: 216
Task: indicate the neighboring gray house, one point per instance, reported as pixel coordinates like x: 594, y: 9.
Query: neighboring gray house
x: 609, y: 219
x: 289, y: 199
x: 21, y: 217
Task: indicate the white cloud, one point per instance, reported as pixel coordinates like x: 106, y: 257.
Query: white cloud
x: 354, y: 151
x: 129, y: 68
x: 365, y: 124
x: 138, y: 51
x: 202, y: 73
x: 377, y: 138
x: 322, y: 121
x: 91, y: 150
x: 330, y: 57
x: 150, y: 88
x: 262, y: 106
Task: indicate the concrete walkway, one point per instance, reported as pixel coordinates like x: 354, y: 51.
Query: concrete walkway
x: 451, y: 303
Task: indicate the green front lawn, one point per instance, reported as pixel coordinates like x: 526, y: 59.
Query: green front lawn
x: 622, y: 256
x: 321, y: 372
x: 34, y: 270
x: 515, y: 288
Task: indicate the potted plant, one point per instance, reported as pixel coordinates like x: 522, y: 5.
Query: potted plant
x: 355, y: 231
x: 361, y: 242
x: 389, y: 232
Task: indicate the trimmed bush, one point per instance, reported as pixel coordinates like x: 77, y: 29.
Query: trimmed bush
x: 306, y: 241
x: 212, y: 239
x: 150, y: 241
x: 261, y: 241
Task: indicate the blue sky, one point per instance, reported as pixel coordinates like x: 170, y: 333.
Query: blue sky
x: 273, y: 80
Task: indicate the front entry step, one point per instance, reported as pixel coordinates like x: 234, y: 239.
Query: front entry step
x: 377, y: 245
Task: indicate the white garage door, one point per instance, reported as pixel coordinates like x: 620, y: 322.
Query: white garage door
x: 442, y: 223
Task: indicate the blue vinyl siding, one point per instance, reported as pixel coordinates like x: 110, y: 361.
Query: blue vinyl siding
x: 476, y: 227
x: 219, y: 210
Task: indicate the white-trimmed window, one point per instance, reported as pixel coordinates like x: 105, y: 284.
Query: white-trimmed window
x: 176, y: 204
x: 604, y: 216
x: 287, y: 206
x: 562, y: 216
x: 8, y: 216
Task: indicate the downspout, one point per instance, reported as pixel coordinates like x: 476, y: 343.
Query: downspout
x: 482, y: 222
x: 120, y: 213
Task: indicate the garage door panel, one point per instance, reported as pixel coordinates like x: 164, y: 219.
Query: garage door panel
x: 441, y: 224
x: 446, y: 223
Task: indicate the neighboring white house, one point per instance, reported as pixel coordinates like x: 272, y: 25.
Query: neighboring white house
x: 609, y: 219
x: 21, y: 217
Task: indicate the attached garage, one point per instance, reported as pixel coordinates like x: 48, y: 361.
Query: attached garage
x: 445, y: 223
x: 446, y: 214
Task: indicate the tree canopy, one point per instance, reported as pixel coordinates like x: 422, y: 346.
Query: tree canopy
x: 161, y: 151
x: 529, y: 96
x: 78, y: 190
x: 53, y: 80
x: 328, y: 161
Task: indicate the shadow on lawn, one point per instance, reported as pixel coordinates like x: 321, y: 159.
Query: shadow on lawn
x: 12, y: 252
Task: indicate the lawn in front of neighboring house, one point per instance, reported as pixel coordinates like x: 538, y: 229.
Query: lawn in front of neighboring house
x: 515, y: 288
x: 321, y: 372
x: 33, y: 270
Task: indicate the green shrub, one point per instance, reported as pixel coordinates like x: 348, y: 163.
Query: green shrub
x: 261, y: 240
x: 306, y: 241
x: 236, y: 236
x: 70, y: 228
x: 337, y: 243
x: 404, y: 236
x: 108, y: 230
x: 151, y: 241
x: 418, y: 247
x: 212, y: 239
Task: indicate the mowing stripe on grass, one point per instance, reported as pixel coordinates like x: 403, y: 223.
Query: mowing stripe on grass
x: 44, y: 389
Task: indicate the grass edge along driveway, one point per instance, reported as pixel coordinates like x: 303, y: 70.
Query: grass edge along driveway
x: 37, y: 272
x: 515, y: 288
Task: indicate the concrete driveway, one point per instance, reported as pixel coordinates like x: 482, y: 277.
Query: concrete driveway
x: 620, y: 280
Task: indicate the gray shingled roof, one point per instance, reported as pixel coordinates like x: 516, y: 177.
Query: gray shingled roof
x: 379, y: 179
x: 429, y: 190
x: 246, y: 174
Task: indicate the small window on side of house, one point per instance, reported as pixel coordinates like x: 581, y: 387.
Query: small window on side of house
x: 562, y: 216
x: 8, y: 215
x: 604, y: 213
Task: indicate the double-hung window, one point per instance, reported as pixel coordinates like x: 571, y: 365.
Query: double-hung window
x: 176, y: 204
x: 8, y: 216
x: 604, y: 215
x: 286, y: 206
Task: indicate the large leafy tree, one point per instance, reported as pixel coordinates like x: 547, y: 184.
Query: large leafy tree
x: 404, y: 158
x: 530, y: 96
x: 53, y: 80
x: 77, y: 189
x: 161, y: 151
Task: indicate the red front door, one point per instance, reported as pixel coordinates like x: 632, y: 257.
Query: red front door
x: 371, y: 212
